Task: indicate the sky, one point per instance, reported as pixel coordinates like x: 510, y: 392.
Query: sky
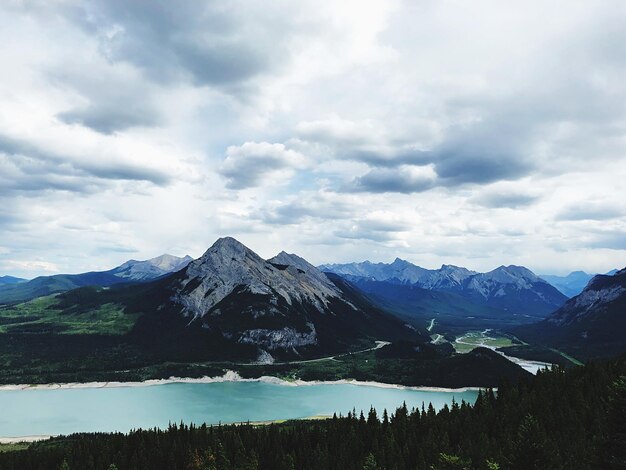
x: 470, y: 133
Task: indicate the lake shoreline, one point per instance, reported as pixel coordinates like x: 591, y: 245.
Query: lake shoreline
x: 230, y: 376
x: 44, y: 437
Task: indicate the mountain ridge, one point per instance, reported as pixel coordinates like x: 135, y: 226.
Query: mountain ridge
x: 591, y: 324
x: 130, y: 271
x: 509, y: 288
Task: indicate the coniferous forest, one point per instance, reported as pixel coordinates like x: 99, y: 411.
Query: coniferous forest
x: 560, y: 419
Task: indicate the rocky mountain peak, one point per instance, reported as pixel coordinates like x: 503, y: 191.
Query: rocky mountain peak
x: 230, y: 266
x: 229, y: 246
x: 513, y: 274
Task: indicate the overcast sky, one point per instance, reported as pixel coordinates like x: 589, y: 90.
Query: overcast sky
x: 471, y: 133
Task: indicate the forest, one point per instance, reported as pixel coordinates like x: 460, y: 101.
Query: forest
x: 559, y: 419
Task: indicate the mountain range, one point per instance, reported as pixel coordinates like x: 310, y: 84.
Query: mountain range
x: 513, y: 289
x: 230, y: 301
x: 130, y: 271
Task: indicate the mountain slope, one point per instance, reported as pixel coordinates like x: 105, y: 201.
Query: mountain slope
x: 419, y: 306
x: 592, y: 324
x: 130, y: 271
x: 46, y: 285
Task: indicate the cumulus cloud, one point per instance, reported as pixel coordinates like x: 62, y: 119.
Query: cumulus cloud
x: 201, y: 41
x: 318, y: 205
x: 40, y: 164
x: 259, y: 163
x: 506, y: 196
x: 404, y: 179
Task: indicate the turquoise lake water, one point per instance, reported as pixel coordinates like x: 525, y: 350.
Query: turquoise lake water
x: 64, y: 411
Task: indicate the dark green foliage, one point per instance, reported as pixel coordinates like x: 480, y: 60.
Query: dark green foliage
x: 561, y: 419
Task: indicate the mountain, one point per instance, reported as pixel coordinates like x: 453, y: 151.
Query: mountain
x: 150, y: 269
x: 418, y: 306
x: 283, y: 304
x: 570, y: 285
x: 591, y: 324
x: 130, y: 271
x: 4, y: 280
x: 514, y: 289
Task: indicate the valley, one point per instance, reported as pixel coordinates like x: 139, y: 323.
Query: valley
x: 238, y: 328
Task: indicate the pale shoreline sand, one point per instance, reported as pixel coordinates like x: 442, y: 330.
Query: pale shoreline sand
x: 229, y: 376
x: 23, y: 439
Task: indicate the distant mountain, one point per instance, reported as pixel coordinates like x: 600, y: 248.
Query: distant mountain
x: 514, y: 289
x: 591, y: 324
x: 419, y: 306
x: 572, y: 284
x: 131, y: 271
x: 402, y: 272
x: 4, y: 280
x: 152, y: 268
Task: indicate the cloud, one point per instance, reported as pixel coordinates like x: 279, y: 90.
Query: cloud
x: 259, y: 163
x: 28, y: 266
x: 105, y: 97
x: 379, y: 128
x: 319, y: 205
x: 28, y: 166
x: 591, y: 210
x: 615, y: 240
x: 506, y: 196
x: 200, y: 41
x: 404, y: 179
x: 379, y: 230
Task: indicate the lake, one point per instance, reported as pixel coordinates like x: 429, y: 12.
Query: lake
x: 68, y: 410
